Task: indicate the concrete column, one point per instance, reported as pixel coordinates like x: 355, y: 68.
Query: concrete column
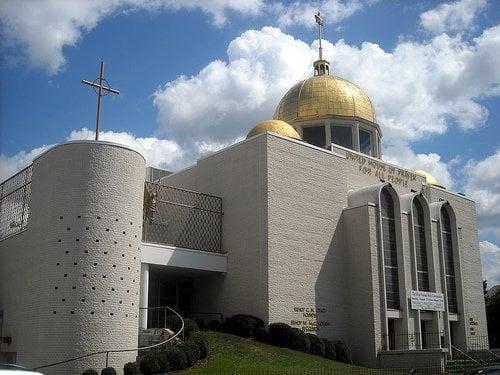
x: 143, y: 313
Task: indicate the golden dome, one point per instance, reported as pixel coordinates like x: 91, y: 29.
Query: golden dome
x: 323, y: 96
x: 429, y: 179
x: 275, y: 126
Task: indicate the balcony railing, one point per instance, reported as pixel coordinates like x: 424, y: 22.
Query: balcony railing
x: 182, y: 218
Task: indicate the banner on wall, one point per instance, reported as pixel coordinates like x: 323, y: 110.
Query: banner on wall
x: 427, y: 301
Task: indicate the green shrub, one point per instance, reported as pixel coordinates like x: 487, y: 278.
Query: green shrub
x: 131, y: 368
x: 317, y: 345
x: 189, y: 327
x: 299, y: 341
x: 191, y: 351
x: 279, y: 334
x: 90, y: 371
x: 163, y: 362
x: 201, y: 341
x: 261, y: 334
x: 149, y: 364
x: 201, y: 324
x: 329, y: 349
x: 243, y: 325
x: 215, y: 325
x: 173, y: 322
x: 342, y: 351
x: 108, y: 371
x: 176, y: 358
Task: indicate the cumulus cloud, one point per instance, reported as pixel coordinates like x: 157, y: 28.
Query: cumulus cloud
x: 452, y: 17
x: 10, y: 165
x: 419, y: 89
x: 42, y: 28
x: 483, y: 185
x: 490, y: 259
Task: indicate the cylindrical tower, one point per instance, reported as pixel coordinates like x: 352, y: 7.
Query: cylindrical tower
x: 85, y: 220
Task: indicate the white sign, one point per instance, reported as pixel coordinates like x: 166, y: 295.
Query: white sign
x: 427, y: 301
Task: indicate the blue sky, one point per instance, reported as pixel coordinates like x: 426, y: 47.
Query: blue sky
x: 195, y: 76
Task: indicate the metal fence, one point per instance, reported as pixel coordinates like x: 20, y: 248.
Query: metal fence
x: 410, y: 341
x: 182, y: 218
x: 342, y: 370
x: 15, y: 202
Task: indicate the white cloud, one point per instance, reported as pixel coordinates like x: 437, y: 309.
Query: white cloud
x: 9, y: 165
x: 42, y: 28
x: 301, y: 12
x: 490, y: 259
x: 419, y: 89
x: 483, y: 185
x: 452, y: 17
x: 400, y: 153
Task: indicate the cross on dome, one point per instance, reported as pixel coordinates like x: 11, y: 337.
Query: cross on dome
x: 321, y: 66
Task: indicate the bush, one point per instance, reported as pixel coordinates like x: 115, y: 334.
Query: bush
x: 201, y: 324
x: 131, y: 368
x: 243, y: 325
x: 176, y: 358
x: 173, y: 322
x: 317, y: 345
x: 189, y: 327
x: 149, y: 364
x: 108, y: 371
x: 329, y: 349
x: 201, y: 341
x: 299, y: 341
x: 90, y: 371
x: 279, y: 334
x: 191, y: 351
x: 261, y: 334
x: 342, y: 352
x: 215, y: 325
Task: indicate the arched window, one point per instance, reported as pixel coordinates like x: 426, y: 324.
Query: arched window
x: 390, y: 249
x: 420, y: 246
x: 449, y: 265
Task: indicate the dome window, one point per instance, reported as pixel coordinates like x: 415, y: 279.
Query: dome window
x: 314, y: 135
x: 342, y: 136
x: 365, y: 142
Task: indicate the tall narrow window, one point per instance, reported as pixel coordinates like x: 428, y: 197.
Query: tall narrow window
x: 314, y: 135
x: 365, y: 142
x: 449, y: 265
x: 420, y: 246
x: 342, y: 135
x: 390, y: 249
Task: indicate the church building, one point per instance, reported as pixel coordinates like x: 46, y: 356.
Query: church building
x: 302, y: 223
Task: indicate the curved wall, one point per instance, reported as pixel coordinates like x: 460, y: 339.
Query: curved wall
x: 85, y: 222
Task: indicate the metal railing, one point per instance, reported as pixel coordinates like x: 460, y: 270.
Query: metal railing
x: 15, y: 194
x: 182, y: 218
x: 108, y: 352
x: 413, y: 341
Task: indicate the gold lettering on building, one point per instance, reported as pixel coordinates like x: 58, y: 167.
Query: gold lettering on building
x: 308, y: 313
x: 381, y: 170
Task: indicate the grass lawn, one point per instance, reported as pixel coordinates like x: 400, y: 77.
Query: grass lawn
x: 232, y: 354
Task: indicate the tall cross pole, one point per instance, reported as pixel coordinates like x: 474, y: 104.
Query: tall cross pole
x: 103, y: 89
x: 319, y: 21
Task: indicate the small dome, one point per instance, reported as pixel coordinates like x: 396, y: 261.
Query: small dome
x: 429, y: 179
x: 275, y: 126
x: 324, y: 96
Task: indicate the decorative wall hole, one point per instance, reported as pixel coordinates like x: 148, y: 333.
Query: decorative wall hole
x: 56, y: 288
x: 116, y: 219
x: 65, y: 275
x: 75, y: 263
x: 59, y: 240
x: 135, y: 258
x: 129, y: 245
x: 87, y: 228
x: 121, y: 278
x: 68, y: 228
x: 126, y: 315
x: 67, y: 252
x: 136, y: 316
x: 131, y: 223
x: 98, y: 217
x: 132, y: 304
x: 105, y: 252
x: 111, y: 314
x: 95, y: 264
x: 60, y: 217
x: 96, y: 240
x: 72, y: 313
x: 77, y: 240
x: 114, y: 265
x: 53, y: 312
x: 86, y: 251
x: 103, y: 276
x: 103, y: 300
x: 74, y: 287
x: 128, y: 291
x: 133, y: 281
x: 123, y: 255
x: 63, y: 299
x: 115, y: 242
x: 112, y: 289
x: 107, y: 229
x: 93, y: 288
x: 91, y: 313
x: 58, y: 264
x: 79, y: 217
x: 120, y: 302
x: 123, y: 232
x: 83, y: 300
x: 84, y: 275
x: 128, y: 268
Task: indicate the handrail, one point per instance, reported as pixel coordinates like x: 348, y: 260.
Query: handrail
x: 123, y: 350
x: 466, y: 355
